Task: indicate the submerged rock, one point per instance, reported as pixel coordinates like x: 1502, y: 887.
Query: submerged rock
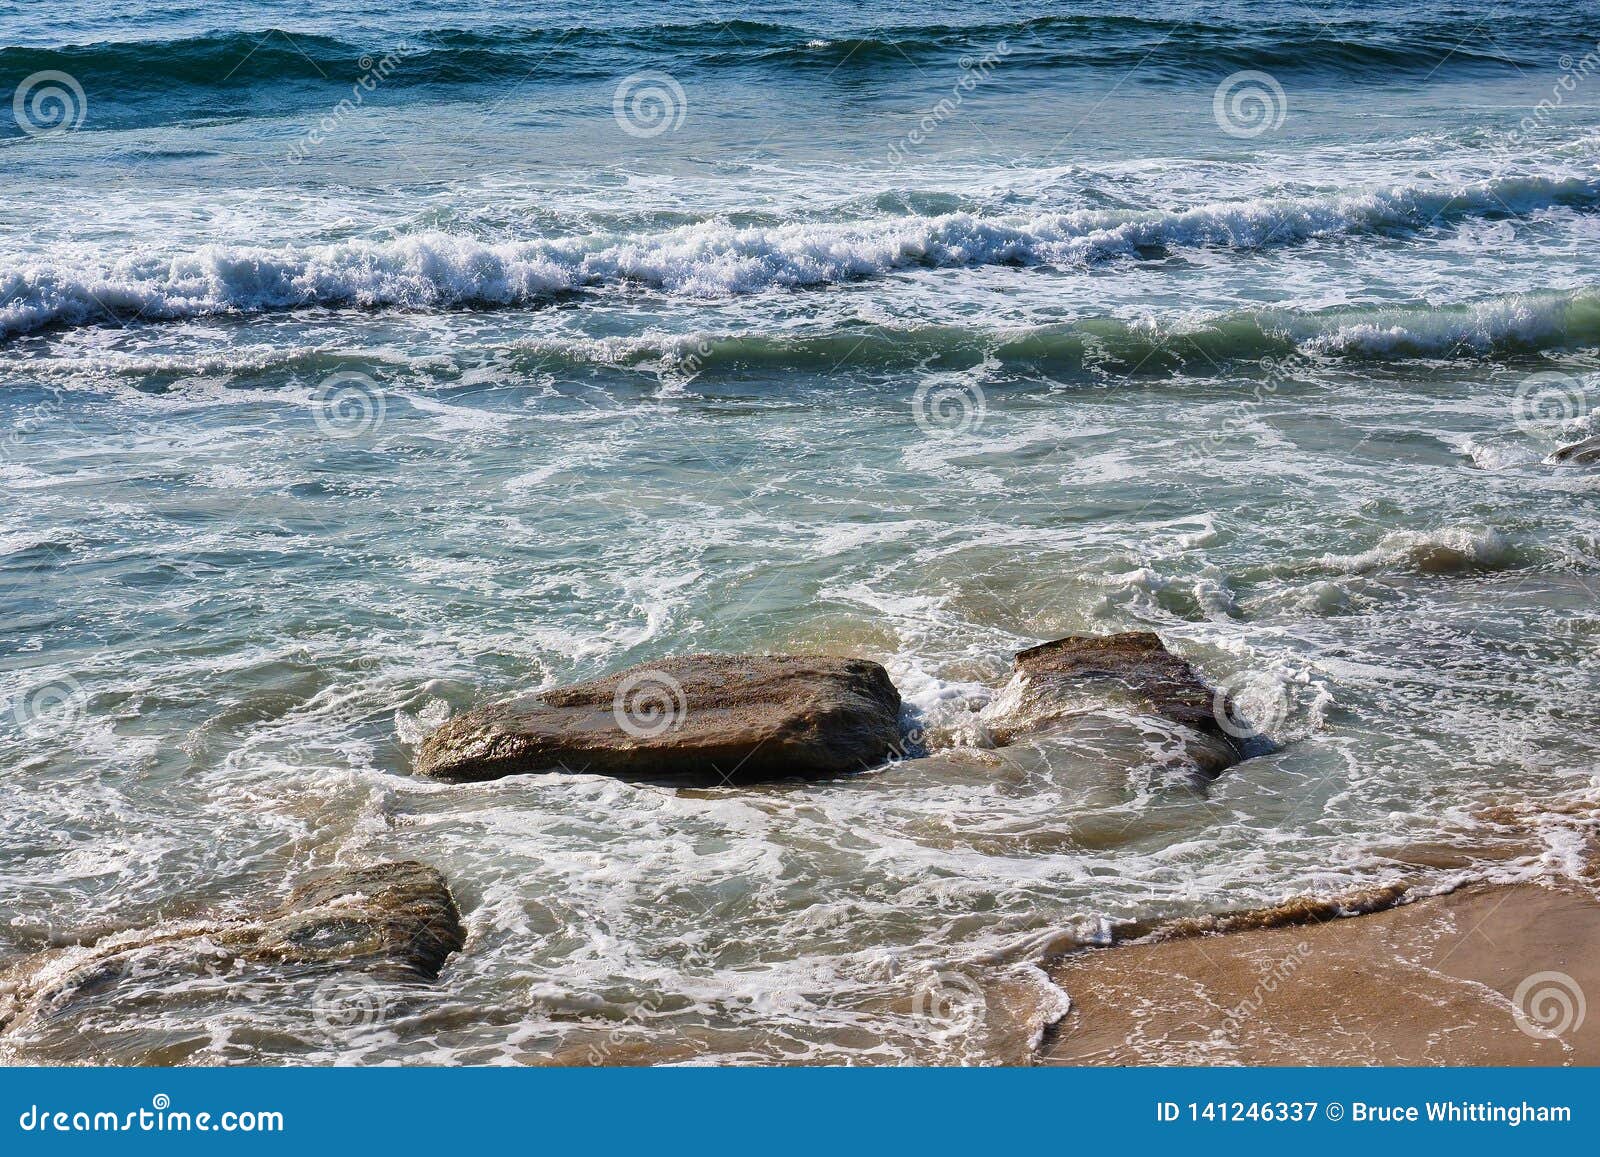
x: 1584, y: 453
x: 701, y: 718
x: 393, y: 921
x: 1058, y: 682
x: 398, y: 915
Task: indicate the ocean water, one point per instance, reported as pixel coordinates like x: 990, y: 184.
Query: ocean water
x: 361, y: 363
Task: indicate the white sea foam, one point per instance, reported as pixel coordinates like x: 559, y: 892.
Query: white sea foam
x: 432, y: 270
x: 1446, y: 549
x: 1487, y: 454
x: 1526, y: 320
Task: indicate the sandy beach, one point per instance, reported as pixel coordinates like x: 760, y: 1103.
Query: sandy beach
x: 1482, y: 976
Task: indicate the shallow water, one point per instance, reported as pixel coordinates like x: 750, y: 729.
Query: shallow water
x: 483, y: 392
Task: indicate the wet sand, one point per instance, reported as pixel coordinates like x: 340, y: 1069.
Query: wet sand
x: 1439, y: 981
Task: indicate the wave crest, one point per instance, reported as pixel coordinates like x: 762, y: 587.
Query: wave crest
x: 1165, y: 48
x: 439, y: 270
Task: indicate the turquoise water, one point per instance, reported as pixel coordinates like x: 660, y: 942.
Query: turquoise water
x: 835, y: 330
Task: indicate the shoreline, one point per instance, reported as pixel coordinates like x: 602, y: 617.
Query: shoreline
x: 1484, y: 975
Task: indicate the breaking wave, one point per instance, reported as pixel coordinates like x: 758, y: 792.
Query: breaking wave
x: 711, y: 259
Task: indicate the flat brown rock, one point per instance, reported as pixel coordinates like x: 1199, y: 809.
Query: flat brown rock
x: 1484, y: 976
x: 699, y: 718
x: 394, y: 920
x: 1133, y: 669
x: 398, y: 914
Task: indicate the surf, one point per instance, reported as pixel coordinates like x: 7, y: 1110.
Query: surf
x: 711, y: 259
